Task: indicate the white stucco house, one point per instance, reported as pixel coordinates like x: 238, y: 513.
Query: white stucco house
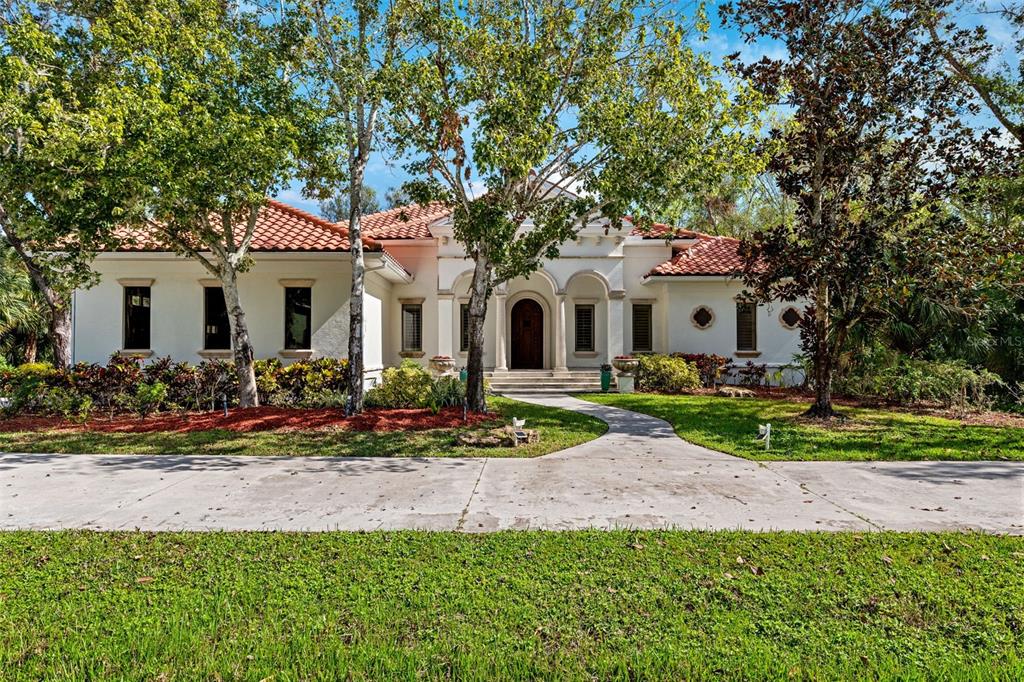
x: 609, y: 293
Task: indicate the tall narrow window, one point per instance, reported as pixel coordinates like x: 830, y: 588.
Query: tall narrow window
x: 298, y: 318
x: 136, y: 318
x: 464, y: 328
x: 746, y: 326
x: 412, y: 327
x: 216, y: 329
x: 643, y: 332
x: 584, y: 328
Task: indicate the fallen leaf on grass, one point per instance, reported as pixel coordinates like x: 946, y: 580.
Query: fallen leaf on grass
x: 887, y: 560
x: 144, y: 580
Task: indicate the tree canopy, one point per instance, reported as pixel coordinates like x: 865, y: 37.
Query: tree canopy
x: 556, y: 113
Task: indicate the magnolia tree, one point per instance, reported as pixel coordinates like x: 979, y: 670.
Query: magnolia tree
x: 353, y: 53
x: 67, y: 175
x: 553, y: 114
x: 867, y: 95
x: 223, y: 128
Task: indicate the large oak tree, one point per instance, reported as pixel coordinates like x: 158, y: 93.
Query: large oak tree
x: 531, y: 118
x: 866, y: 95
x: 68, y: 173
x: 224, y: 127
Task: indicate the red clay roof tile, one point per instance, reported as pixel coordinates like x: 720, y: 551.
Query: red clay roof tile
x: 279, y: 227
x: 709, y: 255
x: 404, y: 222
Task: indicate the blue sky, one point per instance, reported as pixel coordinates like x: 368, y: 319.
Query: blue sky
x: 383, y: 172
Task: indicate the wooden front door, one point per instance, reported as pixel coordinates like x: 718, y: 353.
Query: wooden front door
x: 527, y: 342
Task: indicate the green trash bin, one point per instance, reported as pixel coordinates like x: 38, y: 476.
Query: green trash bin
x: 606, y: 378
x: 463, y: 375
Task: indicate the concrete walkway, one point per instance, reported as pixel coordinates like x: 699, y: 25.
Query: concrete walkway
x: 639, y: 475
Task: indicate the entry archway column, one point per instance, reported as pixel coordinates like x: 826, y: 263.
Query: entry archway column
x: 500, y: 360
x: 560, y: 352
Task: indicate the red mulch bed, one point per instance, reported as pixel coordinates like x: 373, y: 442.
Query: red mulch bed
x: 258, y: 419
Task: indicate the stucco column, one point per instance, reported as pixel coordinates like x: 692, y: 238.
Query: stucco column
x: 615, y: 325
x: 500, y: 361
x: 560, y: 364
x: 445, y: 323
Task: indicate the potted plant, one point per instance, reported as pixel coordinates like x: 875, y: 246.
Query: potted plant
x: 442, y: 364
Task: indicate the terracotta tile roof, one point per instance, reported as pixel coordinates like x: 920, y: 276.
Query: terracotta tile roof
x: 707, y: 256
x: 279, y: 227
x: 404, y: 222
x: 663, y: 231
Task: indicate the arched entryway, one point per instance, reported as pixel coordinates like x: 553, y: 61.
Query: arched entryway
x: 527, y: 342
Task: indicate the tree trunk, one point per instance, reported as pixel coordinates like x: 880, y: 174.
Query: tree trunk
x: 31, y: 349
x: 355, y: 302
x: 243, y: 350
x: 823, y: 360
x: 60, y: 334
x: 480, y: 290
x: 60, y: 307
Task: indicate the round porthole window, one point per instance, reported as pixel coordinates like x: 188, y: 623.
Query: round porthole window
x: 702, y: 317
x: 790, y: 318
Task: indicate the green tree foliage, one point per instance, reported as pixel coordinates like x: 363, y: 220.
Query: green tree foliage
x: 23, y: 316
x: 867, y: 96
x: 555, y: 113
x: 67, y: 162
x: 396, y: 197
x: 336, y: 209
x: 224, y: 129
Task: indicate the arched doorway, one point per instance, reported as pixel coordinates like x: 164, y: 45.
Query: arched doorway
x: 527, y: 342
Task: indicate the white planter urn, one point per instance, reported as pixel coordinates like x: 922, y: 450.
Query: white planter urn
x: 442, y: 365
x: 627, y: 367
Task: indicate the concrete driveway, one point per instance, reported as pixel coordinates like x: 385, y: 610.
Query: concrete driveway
x: 639, y: 475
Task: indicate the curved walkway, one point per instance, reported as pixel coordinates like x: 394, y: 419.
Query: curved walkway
x: 638, y: 475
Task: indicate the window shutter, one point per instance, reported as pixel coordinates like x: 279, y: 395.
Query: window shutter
x: 412, y: 327
x: 643, y: 333
x: 464, y: 327
x: 746, y: 326
x: 136, y: 318
x: 585, y: 328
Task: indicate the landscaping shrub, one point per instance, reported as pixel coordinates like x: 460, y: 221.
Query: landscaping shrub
x: 902, y: 380
x: 666, y: 374
x: 710, y: 367
x: 752, y: 375
x: 148, y: 398
x: 446, y: 392
x: 68, y: 403
x: 308, y: 383
x: 408, y: 385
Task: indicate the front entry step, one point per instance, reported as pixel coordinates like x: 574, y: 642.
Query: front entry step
x: 544, y: 381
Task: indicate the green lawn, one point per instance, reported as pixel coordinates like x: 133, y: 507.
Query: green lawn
x: 526, y: 605
x: 730, y: 424
x: 559, y: 429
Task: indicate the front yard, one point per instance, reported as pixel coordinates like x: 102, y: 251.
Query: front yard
x: 730, y: 424
x: 306, y: 436
x: 523, y: 605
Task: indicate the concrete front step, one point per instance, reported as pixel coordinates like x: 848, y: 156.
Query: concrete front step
x: 547, y: 390
x: 544, y: 381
